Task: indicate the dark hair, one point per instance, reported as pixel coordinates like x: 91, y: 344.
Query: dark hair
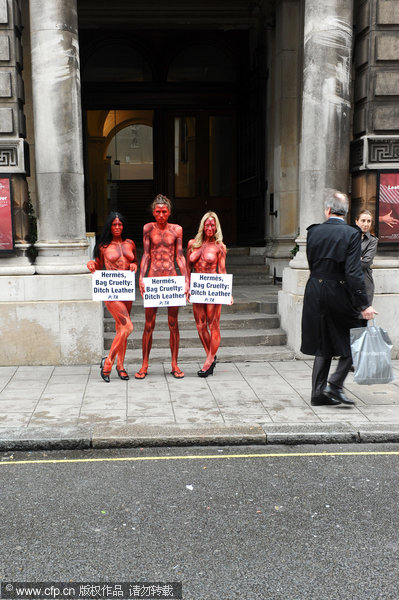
x: 105, y: 237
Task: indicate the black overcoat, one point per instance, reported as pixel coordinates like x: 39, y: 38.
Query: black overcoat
x: 335, y: 292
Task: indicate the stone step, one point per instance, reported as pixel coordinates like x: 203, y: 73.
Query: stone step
x: 257, y: 279
x: 236, y: 320
x: 250, y: 329
x: 189, y: 338
x: 247, y: 269
x: 196, y: 355
x: 238, y: 251
x: 245, y: 259
x: 268, y: 306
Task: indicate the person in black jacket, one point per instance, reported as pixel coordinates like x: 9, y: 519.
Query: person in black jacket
x: 335, y: 299
x: 369, y: 248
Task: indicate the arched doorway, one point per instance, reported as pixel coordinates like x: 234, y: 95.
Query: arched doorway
x: 129, y: 158
x: 119, y: 173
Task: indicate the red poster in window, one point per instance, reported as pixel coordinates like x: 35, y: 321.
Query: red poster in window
x: 388, y: 207
x: 6, y: 230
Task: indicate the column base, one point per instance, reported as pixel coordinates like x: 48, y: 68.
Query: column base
x: 18, y: 263
x: 61, y: 258
x: 49, y: 320
x: 386, y: 302
x: 278, y: 254
x: 290, y: 303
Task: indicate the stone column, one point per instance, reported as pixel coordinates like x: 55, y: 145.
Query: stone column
x: 61, y: 242
x: 283, y: 132
x: 326, y: 109
x: 325, y: 136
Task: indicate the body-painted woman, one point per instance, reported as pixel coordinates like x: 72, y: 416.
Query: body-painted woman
x: 114, y: 251
x: 206, y: 253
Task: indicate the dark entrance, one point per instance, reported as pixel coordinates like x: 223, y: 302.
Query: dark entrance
x: 201, y: 168
x: 197, y: 94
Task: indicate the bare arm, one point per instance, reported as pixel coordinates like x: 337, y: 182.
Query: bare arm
x: 181, y: 261
x: 145, y: 259
x: 190, y: 256
x: 222, y: 264
x: 222, y: 258
x: 97, y: 264
x: 133, y: 265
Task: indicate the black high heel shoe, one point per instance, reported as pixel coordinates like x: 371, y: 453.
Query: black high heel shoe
x: 105, y: 375
x: 122, y: 374
x: 209, y: 371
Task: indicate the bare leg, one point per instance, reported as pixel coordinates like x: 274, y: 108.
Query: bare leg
x: 124, y: 328
x: 200, y: 316
x: 121, y: 354
x: 174, y: 339
x: 150, y: 316
x: 213, y: 312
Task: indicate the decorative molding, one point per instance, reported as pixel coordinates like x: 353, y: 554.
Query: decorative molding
x: 12, y: 158
x: 374, y: 152
x: 383, y: 150
x: 8, y: 157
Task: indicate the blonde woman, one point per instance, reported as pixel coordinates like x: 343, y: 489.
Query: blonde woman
x: 206, y: 253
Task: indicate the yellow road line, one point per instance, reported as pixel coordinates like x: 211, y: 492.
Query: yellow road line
x: 199, y: 457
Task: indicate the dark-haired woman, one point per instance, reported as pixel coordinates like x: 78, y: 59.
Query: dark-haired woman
x: 115, y: 252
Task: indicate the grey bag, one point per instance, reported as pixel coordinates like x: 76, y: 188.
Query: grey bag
x: 371, y: 354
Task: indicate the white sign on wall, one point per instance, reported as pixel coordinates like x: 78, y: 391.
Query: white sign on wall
x: 164, y: 291
x: 113, y: 285
x: 211, y: 288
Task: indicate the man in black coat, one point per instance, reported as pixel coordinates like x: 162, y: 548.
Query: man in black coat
x: 335, y: 299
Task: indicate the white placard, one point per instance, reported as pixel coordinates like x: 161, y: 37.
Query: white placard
x: 164, y: 291
x: 211, y: 288
x: 113, y: 285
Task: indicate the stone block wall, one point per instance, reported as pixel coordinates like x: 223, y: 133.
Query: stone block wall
x: 12, y: 120
x: 13, y: 147
x: 376, y: 86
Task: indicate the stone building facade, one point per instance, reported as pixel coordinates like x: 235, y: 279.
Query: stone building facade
x: 293, y: 95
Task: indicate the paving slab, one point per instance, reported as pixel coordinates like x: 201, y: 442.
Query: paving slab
x: 263, y: 402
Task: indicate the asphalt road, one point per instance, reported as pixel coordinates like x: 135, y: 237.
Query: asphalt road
x: 292, y: 523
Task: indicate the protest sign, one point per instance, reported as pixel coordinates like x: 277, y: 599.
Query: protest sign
x: 211, y: 288
x: 113, y: 285
x: 164, y: 291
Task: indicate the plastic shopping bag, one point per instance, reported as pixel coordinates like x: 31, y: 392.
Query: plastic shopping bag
x: 371, y: 354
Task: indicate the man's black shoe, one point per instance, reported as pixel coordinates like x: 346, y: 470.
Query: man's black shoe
x: 335, y: 393
x: 323, y: 400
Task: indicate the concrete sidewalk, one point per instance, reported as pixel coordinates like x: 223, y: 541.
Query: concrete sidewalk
x: 243, y: 403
